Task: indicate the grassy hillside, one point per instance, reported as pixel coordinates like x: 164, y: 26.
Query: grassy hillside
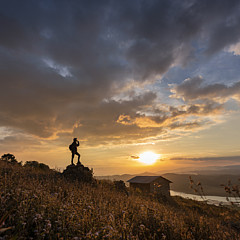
x: 37, y: 204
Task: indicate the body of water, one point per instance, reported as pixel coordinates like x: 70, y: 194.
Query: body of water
x: 216, y: 200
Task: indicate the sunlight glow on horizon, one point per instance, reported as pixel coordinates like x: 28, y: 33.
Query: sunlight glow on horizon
x: 148, y: 157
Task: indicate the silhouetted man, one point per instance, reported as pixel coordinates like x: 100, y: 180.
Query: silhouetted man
x: 73, y: 148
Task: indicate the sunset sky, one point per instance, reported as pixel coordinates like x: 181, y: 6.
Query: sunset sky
x: 124, y: 77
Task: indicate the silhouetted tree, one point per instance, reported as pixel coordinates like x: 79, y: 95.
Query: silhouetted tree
x: 9, y: 158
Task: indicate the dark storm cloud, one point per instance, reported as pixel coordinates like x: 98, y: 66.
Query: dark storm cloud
x: 61, y: 62
x: 194, y: 89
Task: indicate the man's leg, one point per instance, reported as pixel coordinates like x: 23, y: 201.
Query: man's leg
x: 78, y: 156
x: 72, y: 157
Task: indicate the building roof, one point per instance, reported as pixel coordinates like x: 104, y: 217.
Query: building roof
x: 146, y: 179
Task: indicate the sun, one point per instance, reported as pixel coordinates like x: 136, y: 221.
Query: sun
x: 148, y: 158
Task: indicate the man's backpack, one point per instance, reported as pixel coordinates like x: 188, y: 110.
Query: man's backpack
x: 71, y: 147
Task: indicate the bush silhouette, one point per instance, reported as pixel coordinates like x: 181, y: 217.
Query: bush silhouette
x: 8, y: 157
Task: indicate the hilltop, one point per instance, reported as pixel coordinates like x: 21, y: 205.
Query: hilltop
x: 43, y: 204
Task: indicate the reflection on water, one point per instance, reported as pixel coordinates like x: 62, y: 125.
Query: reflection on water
x: 216, y: 200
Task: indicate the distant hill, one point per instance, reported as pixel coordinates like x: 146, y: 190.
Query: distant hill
x: 210, y: 182
x: 209, y: 170
x: 231, y: 169
x: 125, y: 177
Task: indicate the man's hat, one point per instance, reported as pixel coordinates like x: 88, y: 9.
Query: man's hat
x: 75, y: 139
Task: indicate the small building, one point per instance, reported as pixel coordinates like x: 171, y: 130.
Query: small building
x: 151, y: 184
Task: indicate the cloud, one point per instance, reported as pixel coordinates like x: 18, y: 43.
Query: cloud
x: 170, y: 116
x: 235, y: 48
x: 63, y: 62
x: 194, y: 89
x: 135, y: 157
x: 206, y: 159
x: 20, y: 142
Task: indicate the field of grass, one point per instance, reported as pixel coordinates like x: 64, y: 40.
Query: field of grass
x: 37, y: 204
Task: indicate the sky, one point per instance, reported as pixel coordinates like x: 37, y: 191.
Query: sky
x: 124, y: 77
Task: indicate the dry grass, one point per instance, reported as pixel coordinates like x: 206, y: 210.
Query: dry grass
x: 43, y: 205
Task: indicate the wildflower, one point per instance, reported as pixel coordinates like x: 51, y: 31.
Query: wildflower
x: 142, y: 227
x: 124, y: 226
x: 111, y: 217
x: 108, y: 235
x: 89, y: 234
x: 38, y: 216
x: 164, y: 236
x: 97, y: 233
